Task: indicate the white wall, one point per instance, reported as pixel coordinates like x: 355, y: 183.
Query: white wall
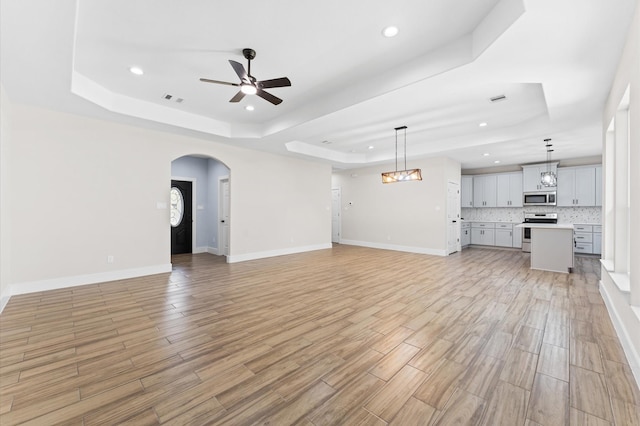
x: 624, y: 306
x: 5, y: 228
x: 407, y: 216
x: 83, y: 189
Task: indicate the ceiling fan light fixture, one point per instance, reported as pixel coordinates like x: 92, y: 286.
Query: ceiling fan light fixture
x: 249, y: 85
x: 248, y: 89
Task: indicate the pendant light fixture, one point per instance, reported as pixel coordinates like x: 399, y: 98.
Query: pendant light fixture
x: 548, y: 178
x: 401, y: 175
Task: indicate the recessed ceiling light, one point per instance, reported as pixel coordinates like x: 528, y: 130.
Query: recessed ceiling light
x: 249, y: 108
x: 390, y: 31
x: 370, y: 146
x: 497, y: 162
x: 486, y: 154
x: 136, y: 70
x: 483, y: 124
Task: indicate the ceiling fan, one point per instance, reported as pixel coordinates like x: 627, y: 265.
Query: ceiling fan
x: 248, y: 83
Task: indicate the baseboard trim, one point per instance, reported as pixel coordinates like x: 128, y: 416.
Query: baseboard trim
x: 408, y: 249
x: 3, y: 302
x: 78, y: 280
x: 624, y: 334
x: 273, y: 253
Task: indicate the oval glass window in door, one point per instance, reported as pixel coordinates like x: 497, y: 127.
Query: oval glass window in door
x: 177, y: 207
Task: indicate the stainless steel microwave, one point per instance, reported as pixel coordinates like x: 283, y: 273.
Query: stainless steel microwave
x: 539, y: 198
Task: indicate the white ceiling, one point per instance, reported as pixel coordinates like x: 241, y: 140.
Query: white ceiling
x: 554, y: 60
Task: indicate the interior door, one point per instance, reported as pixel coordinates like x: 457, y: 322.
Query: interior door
x: 181, y: 217
x: 336, y: 207
x: 223, y: 248
x: 453, y: 217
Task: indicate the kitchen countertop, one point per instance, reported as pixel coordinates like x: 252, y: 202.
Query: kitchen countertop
x: 545, y: 225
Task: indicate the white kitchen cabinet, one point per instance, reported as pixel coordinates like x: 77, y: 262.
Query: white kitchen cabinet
x: 576, y: 186
x: 588, y: 238
x: 483, y: 233
x: 531, y: 177
x: 517, y: 237
x: 465, y: 234
x: 504, y: 238
x: 466, y: 191
x: 598, y: 186
x: 597, y: 240
x: 484, y: 191
x: 509, y: 190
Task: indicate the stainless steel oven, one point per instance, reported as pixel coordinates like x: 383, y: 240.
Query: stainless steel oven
x: 535, y: 218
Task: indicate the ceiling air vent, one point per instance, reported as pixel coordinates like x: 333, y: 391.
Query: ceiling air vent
x: 172, y: 98
x: 498, y: 98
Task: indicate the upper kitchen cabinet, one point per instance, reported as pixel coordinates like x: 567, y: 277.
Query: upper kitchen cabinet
x: 484, y: 191
x: 577, y: 186
x: 466, y: 191
x: 509, y: 190
x: 532, y: 179
x: 598, y: 186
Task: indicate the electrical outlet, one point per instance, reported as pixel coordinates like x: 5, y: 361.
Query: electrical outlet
x: 110, y: 259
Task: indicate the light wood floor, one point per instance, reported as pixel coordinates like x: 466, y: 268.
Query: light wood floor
x: 342, y: 336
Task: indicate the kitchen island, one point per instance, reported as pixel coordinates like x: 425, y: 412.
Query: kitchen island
x: 551, y: 246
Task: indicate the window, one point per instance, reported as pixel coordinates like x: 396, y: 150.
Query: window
x: 177, y: 207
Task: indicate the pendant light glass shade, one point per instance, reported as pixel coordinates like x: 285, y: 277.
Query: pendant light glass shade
x: 406, y: 175
x: 401, y: 176
x: 548, y: 178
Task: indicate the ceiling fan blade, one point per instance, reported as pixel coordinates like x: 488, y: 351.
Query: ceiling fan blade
x: 238, y: 97
x: 269, y: 97
x: 206, y: 80
x: 276, y: 82
x: 239, y: 69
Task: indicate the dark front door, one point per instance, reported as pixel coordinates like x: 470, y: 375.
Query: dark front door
x: 181, y: 217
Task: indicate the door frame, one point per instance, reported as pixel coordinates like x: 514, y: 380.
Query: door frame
x: 194, y: 211
x: 221, y: 179
x: 457, y: 215
x: 339, y: 190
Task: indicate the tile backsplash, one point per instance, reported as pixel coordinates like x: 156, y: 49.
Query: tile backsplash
x: 516, y: 215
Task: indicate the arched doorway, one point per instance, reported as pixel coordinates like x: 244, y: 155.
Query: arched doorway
x: 207, y: 213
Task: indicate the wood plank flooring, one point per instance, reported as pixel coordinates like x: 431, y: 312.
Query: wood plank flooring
x: 345, y: 336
